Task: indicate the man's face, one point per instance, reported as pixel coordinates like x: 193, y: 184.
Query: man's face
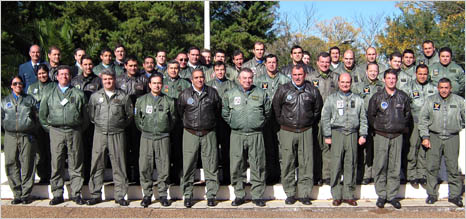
x: 245, y: 80
x: 323, y: 63
x: 306, y: 59
x: 34, y: 53
x: 297, y: 55
x: 42, y: 75
x: 271, y: 65
x: 17, y: 86
x: 161, y: 58
x: 408, y: 59
x: 444, y: 89
x: 63, y: 77
x: 207, y: 57
x: 390, y: 81
x: 371, y: 55
x: 259, y: 51
x: 106, y: 58
x: 348, y: 59
x: 131, y: 67
x: 54, y: 56
x: 120, y: 54
x: 421, y: 75
x: 155, y: 85
x: 198, y: 80
x: 395, y: 63
x: 148, y: 64
x: 78, y: 55
x: 87, y: 66
x: 335, y: 55
x: 428, y: 49
x: 298, y: 75
x: 194, y: 56
x: 372, y: 72
x: 108, y: 82
x: 344, y: 83
x: 219, y: 71
x: 183, y: 60
x: 173, y: 70
x: 238, y: 60
x: 445, y: 58
x: 220, y: 57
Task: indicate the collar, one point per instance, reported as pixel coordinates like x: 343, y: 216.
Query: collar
x: 197, y: 91
x: 192, y: 66
x: 63, y: 89
x: 258, y: 61
x: 15, y: 96
x: 296, y: 86
x: 106, y: 66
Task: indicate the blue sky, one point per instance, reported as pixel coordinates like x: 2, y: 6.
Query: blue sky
x: 346, y: 9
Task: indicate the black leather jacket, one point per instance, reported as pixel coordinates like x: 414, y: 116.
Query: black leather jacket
x: 390, y: 114
x: 297, y: 108
x: 89, y: 85
x: 135, y: 86
x: 199, y: 112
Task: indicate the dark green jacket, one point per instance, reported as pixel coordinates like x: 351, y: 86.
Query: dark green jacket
x: 99, y: 68
x: 155, y: 117
x: 222, y: 86
x: 270, y: 85
x: 174, y: 87
x: 19, y: 116
x: 453, y: 71
x: 418, y: 94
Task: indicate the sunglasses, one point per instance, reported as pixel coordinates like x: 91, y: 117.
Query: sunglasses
x: 181, y: 60
x: 17, y: 83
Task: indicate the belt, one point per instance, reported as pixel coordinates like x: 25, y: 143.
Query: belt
x: 199, y: 133
x: 295, y: 130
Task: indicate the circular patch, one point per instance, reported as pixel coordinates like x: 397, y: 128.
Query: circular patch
x: 384, y: 105
x: 289, y: 97
x: 190, y: 101
x: 9, y: 105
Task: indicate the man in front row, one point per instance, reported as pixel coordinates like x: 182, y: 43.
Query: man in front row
x: 111, y: 111
x: 246, y: 108
x: 440, y: 121
x: 297, y: 106
x: 155, y: 117
x: 343, y: 118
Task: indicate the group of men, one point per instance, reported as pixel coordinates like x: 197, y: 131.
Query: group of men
x: 298, y: 125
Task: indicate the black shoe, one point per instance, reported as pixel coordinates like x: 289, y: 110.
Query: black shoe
x: 164, y: 201
x: 326, y: 181
x: 44, y: 182
x: 403, y: 181
x: 380, y: 202
x: 26, y: 201
x: 457, y: 201
x: 290, y: 200
x: 93, y: 201
x: 146, y: 201
x: 259, y: 202
x: 395, y: 203
x: 306, y: 201
x: 16, y: 201
x: 211, y: 202
x: 366, y: 181
x: 78, y: 200
x: 430, y: 200
x: 422, y: 181
x: 122, y: 202
x: 318, y: 182
x: 237, y: 202
x: 188, y: 203
x: 414, y: 182
x: 56, y: 201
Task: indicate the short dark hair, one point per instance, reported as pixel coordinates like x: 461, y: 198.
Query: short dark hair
x: 258, y: 43
x: 295, y: 47
x: 422, y: 66
x: 390, y: 71
x: 180, y: 54
x: 445, y: 49
x: 197, y: 70
x: 306, y: 53
x: 130, y: 58
x: 149, y: 57
x: 109, y: 72
x: 193, y: 48
x: 372, y: 63
x: 86, y: 57
x: 238, y: 52
x: 428, y: 42
x: 205, y: 50
x: 219, y: 63
x: 78, y: 49
x: 173, y: 61
x: 220, y: 51
x: 156, y: 75
x: 299, y: 66
x: 16, y: 76
x: 332, y: 48
x: 395, y: 54
x: 248, y: 70
x: 271, y: 56
x: 43, y: 67
x: 51, y: 48
x: 160, y: 51
x: 444, y: 80
x: 408, y: 51
x: 61, y: 67
x: 104, y: 50
x: 118, y: 46
x: 323, y: 55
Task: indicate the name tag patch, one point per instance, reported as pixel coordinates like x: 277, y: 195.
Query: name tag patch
x: 149, y: 109
x: 64, y: 102
x: 340, y: 104
x: 237, y: 101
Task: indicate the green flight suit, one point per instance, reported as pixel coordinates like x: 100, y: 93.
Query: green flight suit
x: 416, y: 154
x: 452, y: 71
x: 440, y: 120
x: 361, y: 72
x: 155, y: 117
x: 246, y: 113
x: 258, y: 68
x: 422, y: 59
x: 343, y: 118
x: 65, y: 115
x: 100, y: 67
x: 19, y: 119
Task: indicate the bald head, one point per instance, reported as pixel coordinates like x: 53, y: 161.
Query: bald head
x: 34, y: 53
x: 344, y: 82
x: 348, y: 59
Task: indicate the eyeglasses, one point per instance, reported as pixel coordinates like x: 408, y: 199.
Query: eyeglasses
x: 17, y: 83
x: 183, y: 60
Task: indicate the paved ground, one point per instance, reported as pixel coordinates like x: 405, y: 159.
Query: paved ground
x: 412, y: 208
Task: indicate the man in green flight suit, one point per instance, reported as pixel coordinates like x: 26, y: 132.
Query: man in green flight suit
x: 447, y: 68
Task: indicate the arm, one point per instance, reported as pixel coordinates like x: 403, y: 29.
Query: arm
x: 326, y: 117
x: 267, y: 107
x: 372, y: 110
x: 44, y: 112
x: 277, y: 103
x: 423, y: 125
x: 226, y: 108
x: 173, y: 114
x: 318, y: 104
x: 363, y: 124
x: 138, y: 114
x: 129, y: 110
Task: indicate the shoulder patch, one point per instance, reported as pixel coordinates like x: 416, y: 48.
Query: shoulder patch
x: 436, y: 106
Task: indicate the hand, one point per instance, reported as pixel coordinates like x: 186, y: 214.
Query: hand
x: 328, y: 140
x: 361, y: 140
x: 426, y: 143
